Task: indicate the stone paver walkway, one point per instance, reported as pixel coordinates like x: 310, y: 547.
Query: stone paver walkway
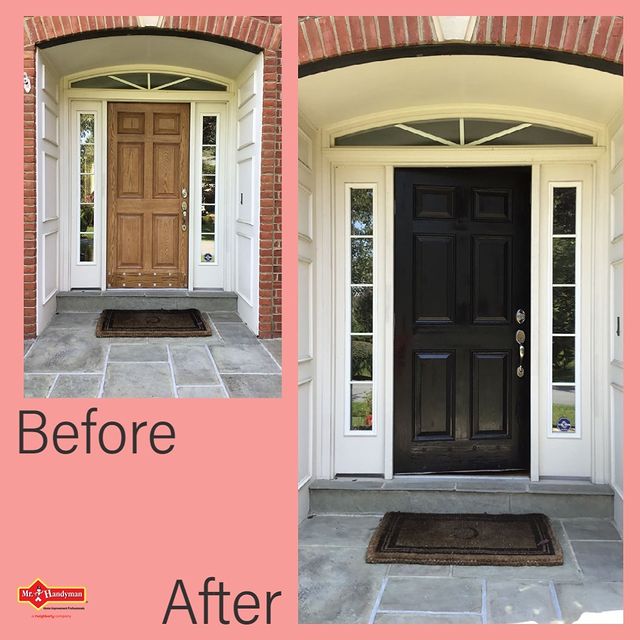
x: 68, y: 361
x: 337, y: 585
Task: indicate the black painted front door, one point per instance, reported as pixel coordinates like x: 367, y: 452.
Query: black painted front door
x: 462, y: 271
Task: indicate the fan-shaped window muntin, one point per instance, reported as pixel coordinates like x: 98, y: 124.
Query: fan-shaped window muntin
x: 462, y: 132
x: 148, y: 81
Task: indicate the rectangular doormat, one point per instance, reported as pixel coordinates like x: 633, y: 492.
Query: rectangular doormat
x: 465, y: 539
x: 152, y: 323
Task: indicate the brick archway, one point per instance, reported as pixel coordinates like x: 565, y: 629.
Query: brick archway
x: 260, y: 33
x: 326, y: 38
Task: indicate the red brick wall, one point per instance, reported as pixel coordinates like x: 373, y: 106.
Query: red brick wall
x: 321, y: 37
x: 261, y: 31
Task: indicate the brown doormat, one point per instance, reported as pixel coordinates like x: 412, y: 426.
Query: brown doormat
x: 152, y: 323
x: 465, y: 539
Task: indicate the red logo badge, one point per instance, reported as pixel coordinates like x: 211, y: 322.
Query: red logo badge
x: 39, y: 594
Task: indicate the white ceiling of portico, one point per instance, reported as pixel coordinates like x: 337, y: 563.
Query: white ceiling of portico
x: 173, y: 51
x: 356, y: 91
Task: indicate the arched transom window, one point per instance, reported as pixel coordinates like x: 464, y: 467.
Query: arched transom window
x: 462, y: 132
x: 148, y: 81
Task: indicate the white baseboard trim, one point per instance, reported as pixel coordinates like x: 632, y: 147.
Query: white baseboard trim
x: 303, y: 501
x: 618, y: 502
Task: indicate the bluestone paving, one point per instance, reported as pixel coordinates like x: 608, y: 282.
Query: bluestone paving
x: 338, y: 531
x: 224, y: 316
x: 253, y: 386
x: 591, y: 602
x: 202, y: 392
x: 337, y: 585
x: 590, y: 529
x: 520, y: 602
x: 74, y: 320
x: 420, y: 570
x: 243, y: 358
x: 193, y: 365
x: 77, y: 386
x: 236, y: 332
x: 434, y: 594
x: 138, y: 353
x: 38, y: 385
x: 138, y: 380
x: 427, y: 618
x: 69, y: 354
x: 600, y: 561
x: 66, y: 351
x: 274, y: 347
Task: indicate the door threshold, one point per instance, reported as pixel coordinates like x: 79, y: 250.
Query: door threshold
x: 476, y: 475
x: 155, y: 291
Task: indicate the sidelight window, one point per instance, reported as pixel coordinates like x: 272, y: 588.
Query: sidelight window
x: 207, y: 250
x: 87, y: 173
x: 360, y: 205
x: 565, y: 201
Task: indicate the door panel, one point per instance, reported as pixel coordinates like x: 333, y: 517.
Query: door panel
x: 166, y: 170
x: 130, y: 248
x: 246, y: 229
x: 491, y: 389
x: 434, y: 375
x: 148, y: 166
x: 434, y: 290
x: 48, y: 170
x: 491, y: 276
x: 462, y: 239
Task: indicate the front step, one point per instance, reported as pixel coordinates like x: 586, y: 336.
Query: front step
x: 567, y: 499
x: 91, y: 300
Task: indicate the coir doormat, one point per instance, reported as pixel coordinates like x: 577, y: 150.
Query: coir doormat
x: 152, y: 323
x: 465, y: 539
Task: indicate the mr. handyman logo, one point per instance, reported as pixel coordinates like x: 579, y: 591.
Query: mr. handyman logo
x: 39, y: 594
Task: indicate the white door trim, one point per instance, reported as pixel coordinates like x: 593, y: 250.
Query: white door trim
x: 340, y: 162
x: 201, y: 102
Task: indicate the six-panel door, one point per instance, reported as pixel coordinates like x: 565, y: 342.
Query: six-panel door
x: 462, y: 263
x: 148, y: 180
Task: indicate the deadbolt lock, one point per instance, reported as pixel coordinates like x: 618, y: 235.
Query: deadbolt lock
x: 184, y: 227
x: 521, y: 316
x: 184, y: 192
x: 184, y: 205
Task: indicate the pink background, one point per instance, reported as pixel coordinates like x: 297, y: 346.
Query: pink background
x: 224, y: 502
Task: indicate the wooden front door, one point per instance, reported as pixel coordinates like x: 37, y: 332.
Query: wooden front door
x: 147, y: 219
x: 462, y: 272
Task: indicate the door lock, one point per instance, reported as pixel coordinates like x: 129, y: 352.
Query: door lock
x: 521, y: 316
x: 184, y: 192
x: 184, y: 205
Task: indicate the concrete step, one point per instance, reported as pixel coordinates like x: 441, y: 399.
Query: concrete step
x: 555, y: 498
x: 93, y: 300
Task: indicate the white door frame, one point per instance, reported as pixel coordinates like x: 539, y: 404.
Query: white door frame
x: 342, y: 159
x: 220, y: 103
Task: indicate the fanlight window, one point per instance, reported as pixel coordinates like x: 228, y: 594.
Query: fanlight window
x: 461, y: 132
x: 148, y: 81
